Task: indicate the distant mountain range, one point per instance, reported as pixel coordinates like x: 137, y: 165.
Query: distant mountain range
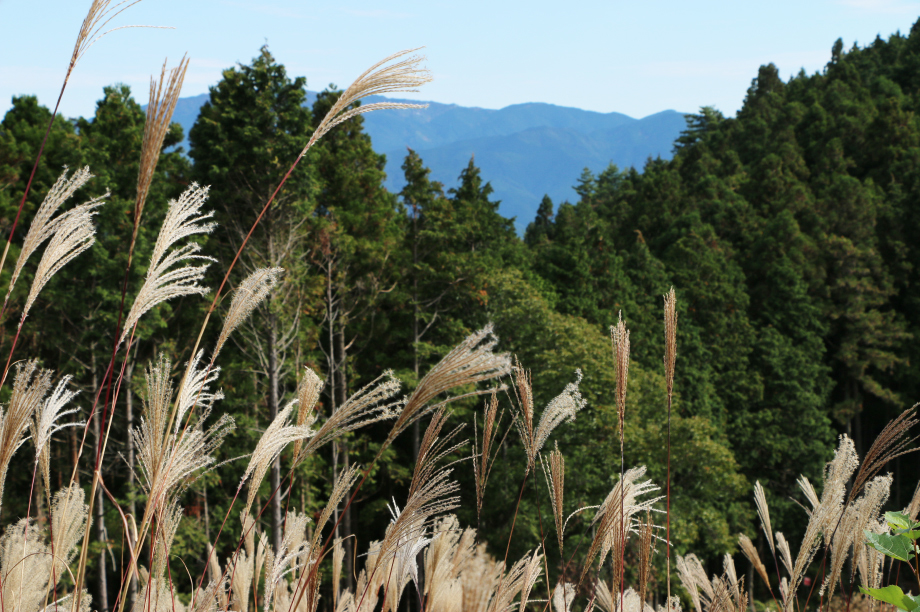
x: 524, y: 150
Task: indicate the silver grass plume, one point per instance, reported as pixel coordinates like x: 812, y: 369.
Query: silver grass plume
x: 646, y: 551
x: 509, y: 586
x: 784, y: 552
x: 73, y: 234
x: 100, y: 14
x: 484, y: 458
x: 763, y: 510
x: 68, y: 521
x: 183, y: 219
x: 195, y: 390
x: 402, y: 76
x: 251, y: 292
x: 285, y: 560
x: 275, y: 439
x: 445, y: 558
x: 340, y: 488
x: 470, y: 362
x: 338, y: 555
x: 168, y: 461
x: 604, y: 597
x: 825, y: 516
x: 46, y: 423
x: 26, y: 565
x: 849, y: 533
x: 167, y: 523
x: 369, y: 405
x: 530, y: 576
x: 563, y: 596
x: 308, y: 391
x: 160, y: 108
x: 810, y: 494
x: 561, y: 408
x: 625, y: 494
x: 620, y: 336
x: 694, y: 579
x: 43, y: 226
x: 750, y: 551
x: 554, y: 472
x: 870, y: 562
x: 29, y: 388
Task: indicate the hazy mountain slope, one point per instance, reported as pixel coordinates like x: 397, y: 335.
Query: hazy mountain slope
x: 524, y: 150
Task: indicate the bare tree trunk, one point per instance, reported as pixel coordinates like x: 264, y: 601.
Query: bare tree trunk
x: 342, y: 391
x: 103, y: 599
x: 273, y: 401
x: 132, y: 505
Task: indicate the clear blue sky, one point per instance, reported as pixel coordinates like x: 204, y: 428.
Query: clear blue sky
x: 632, y: 57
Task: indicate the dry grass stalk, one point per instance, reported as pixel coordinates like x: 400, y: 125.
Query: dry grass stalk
x: 338, y: 555
x: 810, y: 494
x: 784, y: 552
x: 251, y: 292
x: 43, y: 226
x: 604, y: 597
x: 484, y: 458
x: 870, y: 562
x: 913, y: 508
x: 891, y: 443
x: 45, y: 423
x: 554, y: 472
x: 531, y: 575
x: 470, y: 362
x: 399, y: 77
x: 73, y: 234
x: 162, y: 283
x: 342, y: 485
x: 693, y: 577
x: 160, y: 110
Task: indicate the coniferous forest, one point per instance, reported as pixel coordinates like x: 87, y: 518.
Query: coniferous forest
x: 788, y: 233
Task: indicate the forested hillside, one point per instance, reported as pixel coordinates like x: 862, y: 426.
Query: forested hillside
x: 786, y: 231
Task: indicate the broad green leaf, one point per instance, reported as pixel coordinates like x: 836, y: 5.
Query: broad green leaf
x: 893, y: 595
x: 898, y: 547
x: 898, y: 520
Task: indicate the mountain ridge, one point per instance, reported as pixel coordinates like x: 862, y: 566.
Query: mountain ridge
x: 524, y: 150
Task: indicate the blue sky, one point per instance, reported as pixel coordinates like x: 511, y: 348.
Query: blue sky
x: 632, y: 57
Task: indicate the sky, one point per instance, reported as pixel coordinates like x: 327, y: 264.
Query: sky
x: 636, y: 58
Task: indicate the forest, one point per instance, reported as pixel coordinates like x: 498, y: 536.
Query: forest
x: 785, y: 231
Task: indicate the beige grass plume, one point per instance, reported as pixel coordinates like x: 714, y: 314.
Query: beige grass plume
x: 554, y: 472
x: 484, y: 457
x: 826, y: 514
x: 308, y: 390
x: 563, y: 407
x: 529, y: 578
x: 29, y: 388
x: 275, y: 439
x: 251, y: 292
x: 620, y: 338
x: 43, y: 226
x: 402, y: 76
x: 670, y: 337
x: 73, y: 234
x: 196, y: 391
x: 168, y: 461
x: 750, y: 551
x: 183, y: 219
x: 763, y: 510
x: 347, y: 478
x: 160, y: 108
x: 372, y: 403
x: 891, y: 443
x: 46, y: 423
x: 468, y: 363
x: 646, y: 552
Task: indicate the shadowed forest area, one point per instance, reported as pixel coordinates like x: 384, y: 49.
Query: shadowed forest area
x: 788, y: 233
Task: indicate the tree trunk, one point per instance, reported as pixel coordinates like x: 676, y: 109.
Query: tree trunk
x: 342, y: 391
x: 103, y: 600
x: 132, y: 505
x: 274, y: 370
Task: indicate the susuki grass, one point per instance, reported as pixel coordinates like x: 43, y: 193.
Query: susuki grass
x: 424, y: 553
